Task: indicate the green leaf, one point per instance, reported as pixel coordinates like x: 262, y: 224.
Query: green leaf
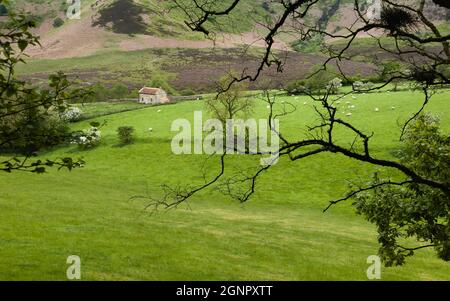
x: 22, y: 44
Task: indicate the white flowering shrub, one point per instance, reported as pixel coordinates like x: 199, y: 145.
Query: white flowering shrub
x: 87, y: 138
x: 361, y: 86
x: 334, y: 85
x: 369, y: 85
x: 358, y: 85
x: 72, y: 114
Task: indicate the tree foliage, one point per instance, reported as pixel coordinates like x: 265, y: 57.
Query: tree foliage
x: 413, y: 210
x: 232, y: 102
x: 29, y: 115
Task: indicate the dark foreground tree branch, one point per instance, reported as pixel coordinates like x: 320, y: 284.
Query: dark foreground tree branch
x: 418, y: 204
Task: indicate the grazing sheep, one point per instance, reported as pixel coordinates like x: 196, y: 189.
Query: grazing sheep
x: 348, y: 114
x: 150, y: 129
x: 377, y: 110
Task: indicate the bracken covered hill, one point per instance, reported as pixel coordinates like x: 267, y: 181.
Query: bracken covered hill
x: 126, y: 41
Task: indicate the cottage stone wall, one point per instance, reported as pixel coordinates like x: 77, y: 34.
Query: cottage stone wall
x: 159, y: 97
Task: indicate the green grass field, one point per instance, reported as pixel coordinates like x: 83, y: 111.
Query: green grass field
x: 280, y: 234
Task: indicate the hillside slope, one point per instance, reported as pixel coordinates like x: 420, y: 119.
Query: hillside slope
x: 143, y: 24
x: 131, y: 25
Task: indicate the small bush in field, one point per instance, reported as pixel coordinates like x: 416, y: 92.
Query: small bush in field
x: 126, y: 134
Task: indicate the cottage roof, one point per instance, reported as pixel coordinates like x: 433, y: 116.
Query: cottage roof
x: 150, y: 91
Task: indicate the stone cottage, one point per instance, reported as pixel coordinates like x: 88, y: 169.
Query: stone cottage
x: 153, y: 96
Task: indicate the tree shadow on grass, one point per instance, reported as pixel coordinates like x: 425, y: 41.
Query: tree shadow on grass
x: 122, y: 16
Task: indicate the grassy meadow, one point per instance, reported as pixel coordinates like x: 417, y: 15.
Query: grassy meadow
x: 281, y: 233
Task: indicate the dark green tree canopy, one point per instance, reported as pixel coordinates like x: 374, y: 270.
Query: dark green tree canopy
x: 29, y: 115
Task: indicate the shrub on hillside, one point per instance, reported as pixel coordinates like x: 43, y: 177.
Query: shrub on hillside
x: 58, y: 22
x: 187, y: 92
x: 310, y: 45
x: 334, y: 85
x: 88, y: 138
x: 119, y: 91
x: 317, y: 83
x: 361, y: 86
x: 98, y: 93
x: 349, y: 80
x: 126, y: 134
x: 296, y: 87
x: 38, y: 128
x: 161, y: 79
x: 72, y: 114
x: 3, y: 10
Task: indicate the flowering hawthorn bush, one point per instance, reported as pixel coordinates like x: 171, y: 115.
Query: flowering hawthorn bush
x: 88, y: 138
x: 334, y: 85
x: 361, y: 86
x: 72, y: 114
